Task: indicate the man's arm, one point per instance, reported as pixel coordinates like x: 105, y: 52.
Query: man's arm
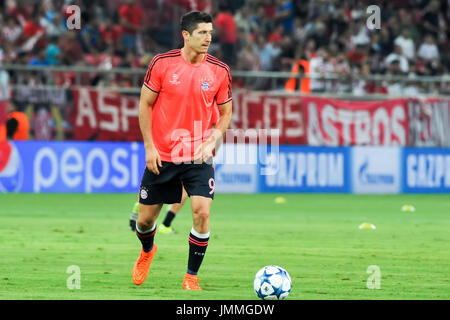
x: 146, y: 102
x: 204, y: 151
x: 223, y: 123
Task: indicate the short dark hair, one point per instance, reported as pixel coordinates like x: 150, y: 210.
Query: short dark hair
x: 190, y: 20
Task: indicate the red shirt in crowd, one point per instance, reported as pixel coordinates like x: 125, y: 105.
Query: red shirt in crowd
x: 110, y: 35
x: 30, y: 29
x: 132, y: 14
x: 227, y: 26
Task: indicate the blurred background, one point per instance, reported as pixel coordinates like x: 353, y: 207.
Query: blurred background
x: 319, y: 73
x: 302, y: 47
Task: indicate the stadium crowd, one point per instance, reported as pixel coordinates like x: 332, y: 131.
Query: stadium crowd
x: 312, y: 37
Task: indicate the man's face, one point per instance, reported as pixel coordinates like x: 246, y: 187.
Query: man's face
x: 200, y: 39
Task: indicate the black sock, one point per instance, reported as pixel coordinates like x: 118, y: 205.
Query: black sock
x: 146, y: 239
x: 197, y: 249
x: 169, y: 217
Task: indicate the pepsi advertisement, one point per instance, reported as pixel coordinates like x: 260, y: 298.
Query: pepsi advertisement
x: 84, y: 167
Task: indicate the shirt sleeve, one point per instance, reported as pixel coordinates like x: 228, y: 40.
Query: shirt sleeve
x: 153, y: 77
x: 224, y: 94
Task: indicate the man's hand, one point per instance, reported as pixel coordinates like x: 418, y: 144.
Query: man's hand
x: 205, y: 151
x: 153, y: 160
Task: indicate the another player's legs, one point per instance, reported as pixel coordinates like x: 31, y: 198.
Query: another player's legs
x: 134, y: 216
x: 165, y: 227
x: 145, y: 231
x: 198, y: 240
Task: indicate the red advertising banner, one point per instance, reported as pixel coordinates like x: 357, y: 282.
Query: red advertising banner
x: 282, y: 117
x: 332, y: 122
x: 105, y: 116
x: 316, y: 121
x: 429, y: 123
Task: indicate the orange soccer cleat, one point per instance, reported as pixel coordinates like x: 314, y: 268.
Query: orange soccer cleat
x: 190, y: 282
x: 142, y: 265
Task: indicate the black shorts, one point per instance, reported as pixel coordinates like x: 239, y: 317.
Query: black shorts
x: 167, y: 187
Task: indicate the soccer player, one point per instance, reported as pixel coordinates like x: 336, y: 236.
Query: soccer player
x: 180, y: 90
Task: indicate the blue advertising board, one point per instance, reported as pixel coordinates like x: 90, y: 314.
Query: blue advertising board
x: 306, y: 169
x: 426, y: 170
x: 89, y: 167
x: 35, y: 166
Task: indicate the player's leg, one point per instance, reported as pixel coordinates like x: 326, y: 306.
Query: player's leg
x: 172, y: 211
x: 146, y: 224
x: 145, y: 231
x: 198, y: 240
x: 134, y: 216
x: 199, y: 184
x: 155, y: 190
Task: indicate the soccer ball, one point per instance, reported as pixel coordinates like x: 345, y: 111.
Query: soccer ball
x: 272, y: 283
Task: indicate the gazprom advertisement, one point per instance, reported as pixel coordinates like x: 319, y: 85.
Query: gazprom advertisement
x: 376, y: 169
x: 305, y: 169
x: 426, y: 170
x: 88, y: 167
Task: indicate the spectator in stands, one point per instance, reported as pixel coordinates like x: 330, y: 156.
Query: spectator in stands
x: 53, y: 24
x: 265, y: 22
x: 21, y: 12
x: 131, y: 19
x: 39, y: 58
x: 110, y: 33
x: 360, y: 34
x: 248, y: 59
x: 243, y: 21
x: 405, y: 42
x: 268, y: 51
x: 227, y: 33
x: 398, y: 57
x: 17, y: 125
x: 70, y: 49
x: 259, y: 21
x: 394, y: 87
x: 90, y: 37
x: 430, y: 19
x: 7, y: 53
x: 10, y: 31
x: 33, y: 35
x: 428, y: 50
x: 285, y: 14
x: 320, y: 66
x: 53, y: 52
x: 357, y: 56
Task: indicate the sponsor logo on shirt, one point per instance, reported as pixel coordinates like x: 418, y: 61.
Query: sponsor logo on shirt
x: 175, y: 79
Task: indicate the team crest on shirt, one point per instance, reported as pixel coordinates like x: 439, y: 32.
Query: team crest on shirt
x: 144, y: 194
x: 206, y: 84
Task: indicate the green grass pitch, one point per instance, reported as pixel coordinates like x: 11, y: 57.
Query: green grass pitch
x: 315, y: 237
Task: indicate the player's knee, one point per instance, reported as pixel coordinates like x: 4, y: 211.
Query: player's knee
x: 145, y: 224
x: 201, y: 214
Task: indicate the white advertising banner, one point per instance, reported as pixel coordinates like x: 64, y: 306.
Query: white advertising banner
x: 236, y: 168
x: 376, y: 169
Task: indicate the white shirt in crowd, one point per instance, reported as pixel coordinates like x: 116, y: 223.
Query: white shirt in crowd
x: 317, y: 66
x: 428, y: 51
x: 404, y: 64
x: 407, y: 45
